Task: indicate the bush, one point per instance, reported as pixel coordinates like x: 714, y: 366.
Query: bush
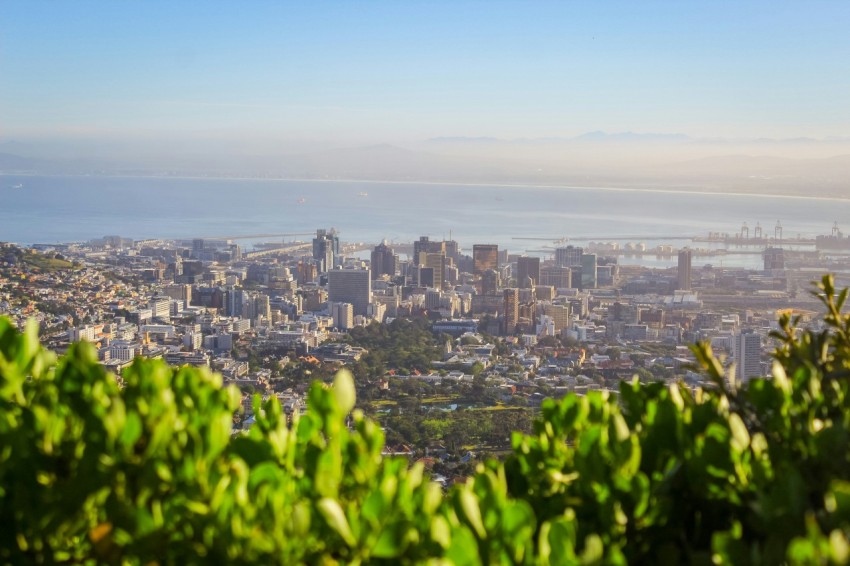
x: 147, y: 470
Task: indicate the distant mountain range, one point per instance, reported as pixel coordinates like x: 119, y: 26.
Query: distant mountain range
x: 625, y: 159
x: 642, y: 137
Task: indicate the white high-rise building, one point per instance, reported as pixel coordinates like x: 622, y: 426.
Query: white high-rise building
x: 747, y: 352
x: 343, y: 315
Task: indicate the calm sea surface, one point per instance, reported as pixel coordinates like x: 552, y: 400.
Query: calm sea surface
x: 65, y: 209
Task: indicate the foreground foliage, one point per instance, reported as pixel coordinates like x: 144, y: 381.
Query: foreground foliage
x: 149, y: 472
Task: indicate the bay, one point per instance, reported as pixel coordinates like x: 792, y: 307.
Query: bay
x: 53, y: 209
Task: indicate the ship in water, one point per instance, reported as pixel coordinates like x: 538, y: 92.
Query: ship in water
x: 363, y: 194
x: 18, y: 186
x: 834, y: 241
x: 302, y: 200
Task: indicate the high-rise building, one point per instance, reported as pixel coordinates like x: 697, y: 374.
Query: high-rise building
x: 489, y: 282
x: 160, y: 307
x: 747, y: 352
x: 343, y: 315
x: 425, y: 245
x: 588, y: 271
x: 527, y: 268
x: 261, y: 307
x: 425, y: 277
x: 452, y: 250
x: 437, y: 262
x: 178, y: 292
x: 774, y: 259
x: 484, y: 257
x: 560, y: 314
x: 569, y: 256
x: 384, y: 261
x: 558, y: 277
x: 351, y: 286
x: 684, y: 271
x: 511, y: 310
x: 326, y: 250
x: 235, y: 302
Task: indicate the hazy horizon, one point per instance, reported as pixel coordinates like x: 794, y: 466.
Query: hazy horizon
x: 467, y: 91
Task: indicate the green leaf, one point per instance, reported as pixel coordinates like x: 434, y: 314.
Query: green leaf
x: 336, y: 520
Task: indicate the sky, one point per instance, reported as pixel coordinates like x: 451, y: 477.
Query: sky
x: 400, y: 71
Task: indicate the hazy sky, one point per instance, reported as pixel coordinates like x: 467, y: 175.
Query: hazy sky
x: 396, y: 71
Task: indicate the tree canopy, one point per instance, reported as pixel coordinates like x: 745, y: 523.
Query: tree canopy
x: 147, y: 469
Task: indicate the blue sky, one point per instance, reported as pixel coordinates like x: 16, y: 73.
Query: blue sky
x: 397, y: 71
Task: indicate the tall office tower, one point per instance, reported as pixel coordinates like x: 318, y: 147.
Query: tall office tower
x: 588, y: 271
x: 425, y: 277
x: 774, y: 259
x: 452, y: 250
x: 384, y: 261
x: 326, y: 250
x: 197, y: 247
x: 684, y: 271
x: 484, y: 257
x: 235, y: 251
x: 235, y: 302
x: 558, y: 277
x: 351, y: 286
x: 527, y: 267
x: 433, y: 298
x: 490, y: 282
x: 261, y: 307
x: 420, y: 246
x: 747, y: 352
x: 437, y: 262
x: 560, y: 314
x: 425, y: 245
x: 307, y: 271
x: 511, y: 310
x: 568, y: 257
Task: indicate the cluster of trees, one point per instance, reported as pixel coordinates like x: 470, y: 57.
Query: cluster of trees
x: 457, y: 431
x: 403, y: 345
x: 755, y: 473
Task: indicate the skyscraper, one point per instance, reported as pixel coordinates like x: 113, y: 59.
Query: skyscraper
x: 384, y: 261
x: 351, y: 286
x: 484, y: 257
x: 437, y: 262
x: 684, y: 271
x: 425, y: 245
x: 489, y: 282
x: 569, y: 256
x: 774, y: 259
x: 558, y: 277
x: 326, y: 250
x: 588, y: 271
x: 747, y: 352
x: 527, y: 267
x: 511, y: 310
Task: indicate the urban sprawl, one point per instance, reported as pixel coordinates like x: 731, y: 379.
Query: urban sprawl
x: 451, y: 349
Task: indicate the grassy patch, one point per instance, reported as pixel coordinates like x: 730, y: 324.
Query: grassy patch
x: 45, y: 263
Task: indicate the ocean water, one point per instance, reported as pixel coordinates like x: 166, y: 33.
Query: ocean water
x: 52, y: 209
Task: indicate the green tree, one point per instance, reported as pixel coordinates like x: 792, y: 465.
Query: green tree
x: 150, y: 470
